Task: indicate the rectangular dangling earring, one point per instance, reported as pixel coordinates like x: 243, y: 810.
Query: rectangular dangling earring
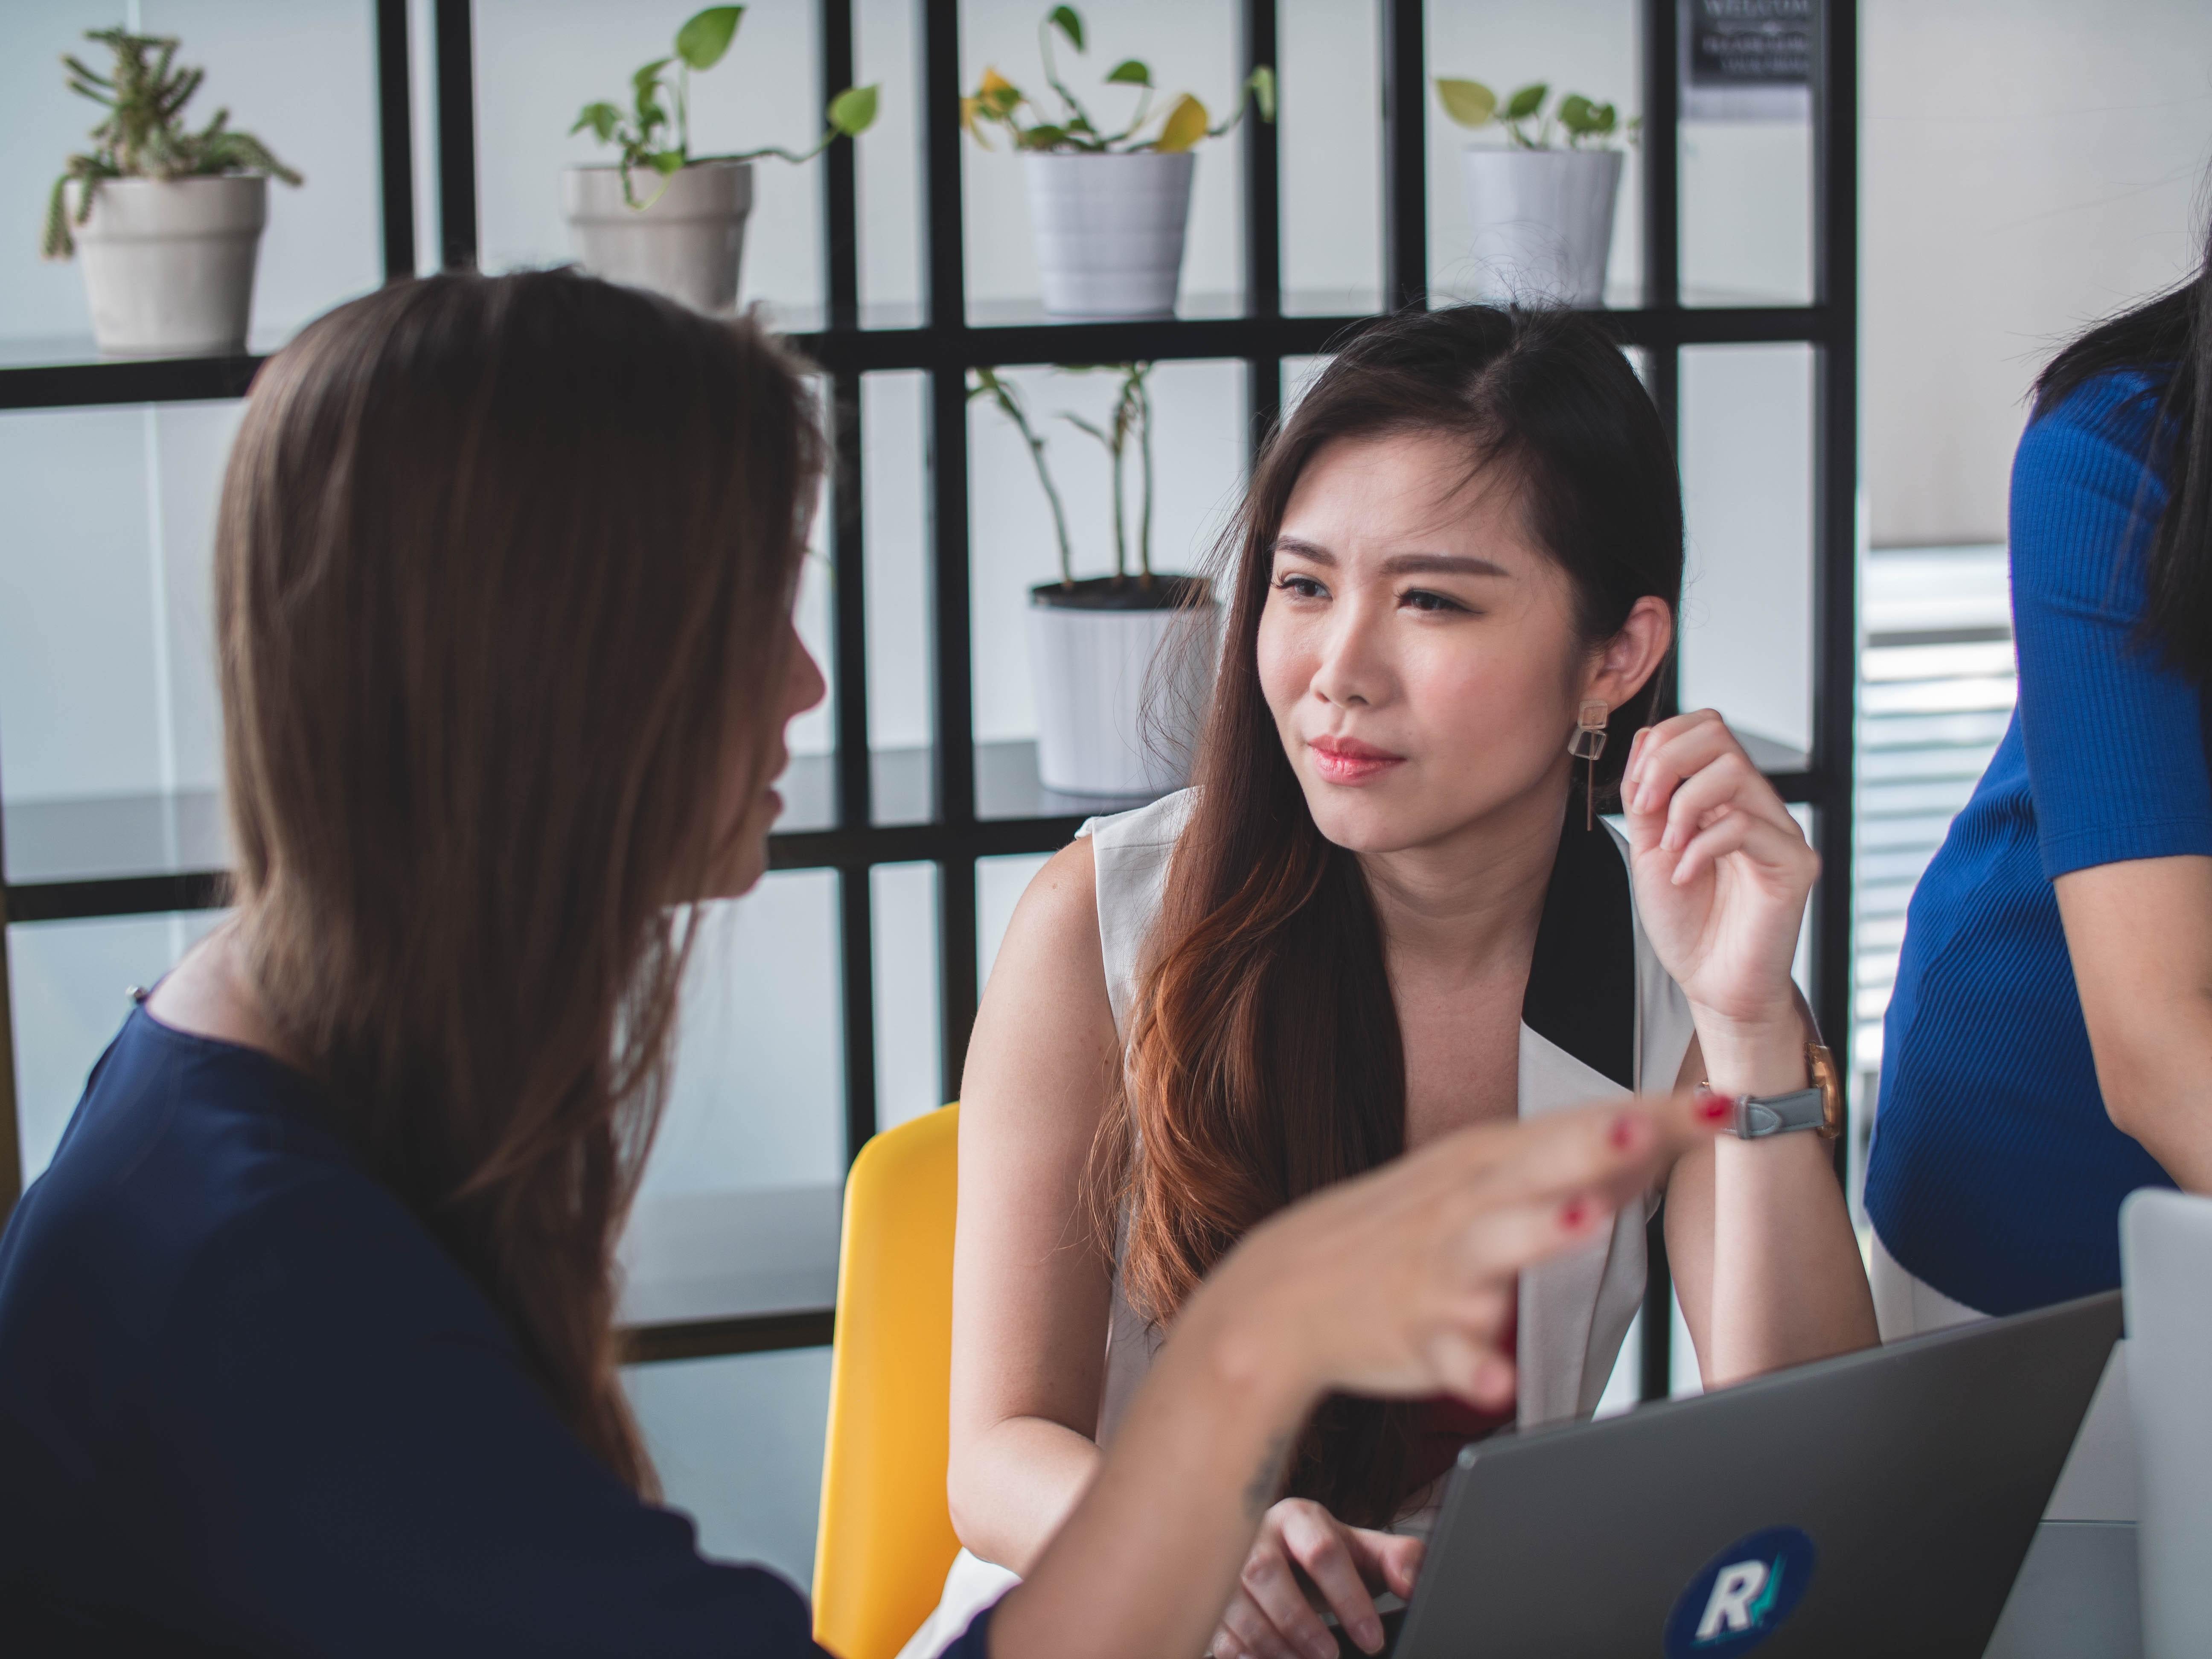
x: 1587, y: 745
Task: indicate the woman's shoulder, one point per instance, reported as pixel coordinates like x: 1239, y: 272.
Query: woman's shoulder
x: 2112, y: 414
x: 1159, y: 824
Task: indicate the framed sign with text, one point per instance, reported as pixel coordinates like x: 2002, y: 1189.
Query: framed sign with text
x: 1747, y: 60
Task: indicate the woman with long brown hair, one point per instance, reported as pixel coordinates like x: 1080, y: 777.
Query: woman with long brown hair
x: 306, y: 1334
x: 1384, y: 911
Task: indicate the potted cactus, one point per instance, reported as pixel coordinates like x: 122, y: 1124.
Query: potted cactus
x: 1541, y: 211
x: 661, y: 218
x: 168, y: 220
x: 1118, y: 665
x: 1108, y: 208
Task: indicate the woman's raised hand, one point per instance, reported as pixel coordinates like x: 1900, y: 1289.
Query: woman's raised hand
x: 1300, y: 1545
x: 1722, y: 869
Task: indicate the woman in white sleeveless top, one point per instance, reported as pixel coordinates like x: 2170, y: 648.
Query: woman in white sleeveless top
x: 1384, y: 911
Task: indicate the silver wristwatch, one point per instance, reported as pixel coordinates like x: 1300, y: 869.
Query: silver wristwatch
x: 1819, y: 1107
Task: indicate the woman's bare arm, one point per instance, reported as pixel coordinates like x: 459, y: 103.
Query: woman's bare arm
x: 1031, y: 1287
x: 2140, y: 934
x: 1759, y: 1239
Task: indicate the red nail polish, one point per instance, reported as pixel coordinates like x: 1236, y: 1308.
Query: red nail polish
x: 1622, y: 1133
x: 1713, y: 1108
x: 1574, y: 1213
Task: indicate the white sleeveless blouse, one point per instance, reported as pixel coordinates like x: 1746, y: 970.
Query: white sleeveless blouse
x: 1601, y: 1018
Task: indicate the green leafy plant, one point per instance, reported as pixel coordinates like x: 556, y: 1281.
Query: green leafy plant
x: 654, y: 139
x: 1586, y: 125
x: 997, y: 102
x: 144, y: 136
x: 1128, y: 426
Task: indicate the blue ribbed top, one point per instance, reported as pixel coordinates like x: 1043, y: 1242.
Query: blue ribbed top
x: 1997, y: 1175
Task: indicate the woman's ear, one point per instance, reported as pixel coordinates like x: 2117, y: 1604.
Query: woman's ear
x: 1631, y: 656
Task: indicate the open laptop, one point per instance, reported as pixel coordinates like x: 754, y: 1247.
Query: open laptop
x: 1879, y: 1503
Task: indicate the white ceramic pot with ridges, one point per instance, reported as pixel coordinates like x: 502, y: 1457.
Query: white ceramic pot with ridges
x: 1109, y: 231
x: 1542, y: 222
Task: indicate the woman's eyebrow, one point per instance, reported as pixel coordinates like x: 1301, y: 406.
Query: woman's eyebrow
x: 1303, y: 549
x: 1441, y: 564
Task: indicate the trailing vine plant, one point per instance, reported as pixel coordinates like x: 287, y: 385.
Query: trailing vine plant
x: 1072, y: 130
x: 143, y: 136
x: 654, y: 139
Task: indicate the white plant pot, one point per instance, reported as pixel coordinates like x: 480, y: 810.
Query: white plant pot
x: 687, y: 245
x: 1109, y: 231
x: 1542, y: 221
x: 168, y: 263
x: 1119, y: 693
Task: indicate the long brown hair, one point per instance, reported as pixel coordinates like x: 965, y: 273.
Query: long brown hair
x: 503, y: 565
x: 1264, y: 1058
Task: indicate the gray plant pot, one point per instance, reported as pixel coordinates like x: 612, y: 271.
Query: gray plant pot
x: 168, y: 263
x: 687, y: 245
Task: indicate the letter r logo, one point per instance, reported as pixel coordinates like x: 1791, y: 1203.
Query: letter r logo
x: 1733, y: 1590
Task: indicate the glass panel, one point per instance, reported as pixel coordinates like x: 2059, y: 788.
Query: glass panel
x: 111, y: 751
x: 1747, y: 446
x: 738, y: 1442
x: 910, y: 1067
x: 887, y: 52
x: 738, y: 1209
x: 1000, y: 885
x: 539, y: 61
x: 1587, y: 47
x: 69, y: 980
x: 1746, y: 153
x: 1199, y: 416
x: 1331, y: 149
x: 1190, y: 48
x: 323, y: 240
x: 896, y: 517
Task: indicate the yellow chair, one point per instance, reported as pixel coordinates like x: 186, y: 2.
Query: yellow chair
x: 886, y: 1538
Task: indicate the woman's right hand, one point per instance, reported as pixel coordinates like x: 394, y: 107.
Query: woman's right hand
x: 1301, y: 1543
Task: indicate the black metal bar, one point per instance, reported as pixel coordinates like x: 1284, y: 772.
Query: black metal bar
x: 11, y: 1138
x: 1404, y: 157
x: 1661, y: 154
x: 197, y: 380
x: 395, y: 131
x: 1263, y: 183
x: 1663, y: 379
x: 857, y: 847
x: 857, y: 959
x: 953, y: 723
x: 1263, y: 228
x: 840, y: 213
x: 456, y: 135
x: 712, y: 1339
x: 1835, y: 510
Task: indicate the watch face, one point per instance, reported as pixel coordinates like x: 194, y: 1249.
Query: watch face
x: 1831, y: 1085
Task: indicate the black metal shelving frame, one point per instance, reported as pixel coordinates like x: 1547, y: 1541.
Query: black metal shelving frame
x: 945, y: 344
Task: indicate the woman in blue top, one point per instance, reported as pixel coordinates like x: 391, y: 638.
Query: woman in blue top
x: 306, y: 1336
x: 2049, y: 1045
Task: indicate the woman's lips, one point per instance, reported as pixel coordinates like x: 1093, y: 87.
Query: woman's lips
x: 1347, y: 760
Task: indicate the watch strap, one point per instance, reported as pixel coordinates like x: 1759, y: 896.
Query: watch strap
x: 1759, y: 1116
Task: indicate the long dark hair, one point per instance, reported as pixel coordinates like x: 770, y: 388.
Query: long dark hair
x: 1264, y: 1059
x: 503, y: 569
x: 2170, y: 340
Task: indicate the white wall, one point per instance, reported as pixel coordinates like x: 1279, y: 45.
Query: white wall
x: 2029, y: 166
